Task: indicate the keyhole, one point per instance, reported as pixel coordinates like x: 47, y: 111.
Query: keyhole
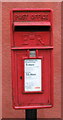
x: 20, y: 77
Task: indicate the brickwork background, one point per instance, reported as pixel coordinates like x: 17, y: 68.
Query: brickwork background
x: 7, y: 110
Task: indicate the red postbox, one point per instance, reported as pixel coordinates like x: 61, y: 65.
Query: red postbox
x: 32, y: 58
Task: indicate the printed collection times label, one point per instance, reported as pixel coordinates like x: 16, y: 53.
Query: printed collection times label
x: 32, y: 75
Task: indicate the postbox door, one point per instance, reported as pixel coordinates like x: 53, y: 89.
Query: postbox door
x: 23, y: 98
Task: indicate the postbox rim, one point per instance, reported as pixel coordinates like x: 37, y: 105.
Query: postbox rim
x: 31, y: 107
x: 32, y: 9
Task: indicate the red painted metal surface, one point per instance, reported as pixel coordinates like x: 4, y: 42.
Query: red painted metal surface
x: 32, y: 23
x: 31, y: 29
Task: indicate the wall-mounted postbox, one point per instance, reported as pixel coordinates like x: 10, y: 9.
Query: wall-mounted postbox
x: 32, y: 58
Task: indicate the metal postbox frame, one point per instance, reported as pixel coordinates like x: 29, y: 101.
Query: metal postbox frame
x: 17, y: 48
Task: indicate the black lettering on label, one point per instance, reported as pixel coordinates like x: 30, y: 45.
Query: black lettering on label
x: 29, y: 64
